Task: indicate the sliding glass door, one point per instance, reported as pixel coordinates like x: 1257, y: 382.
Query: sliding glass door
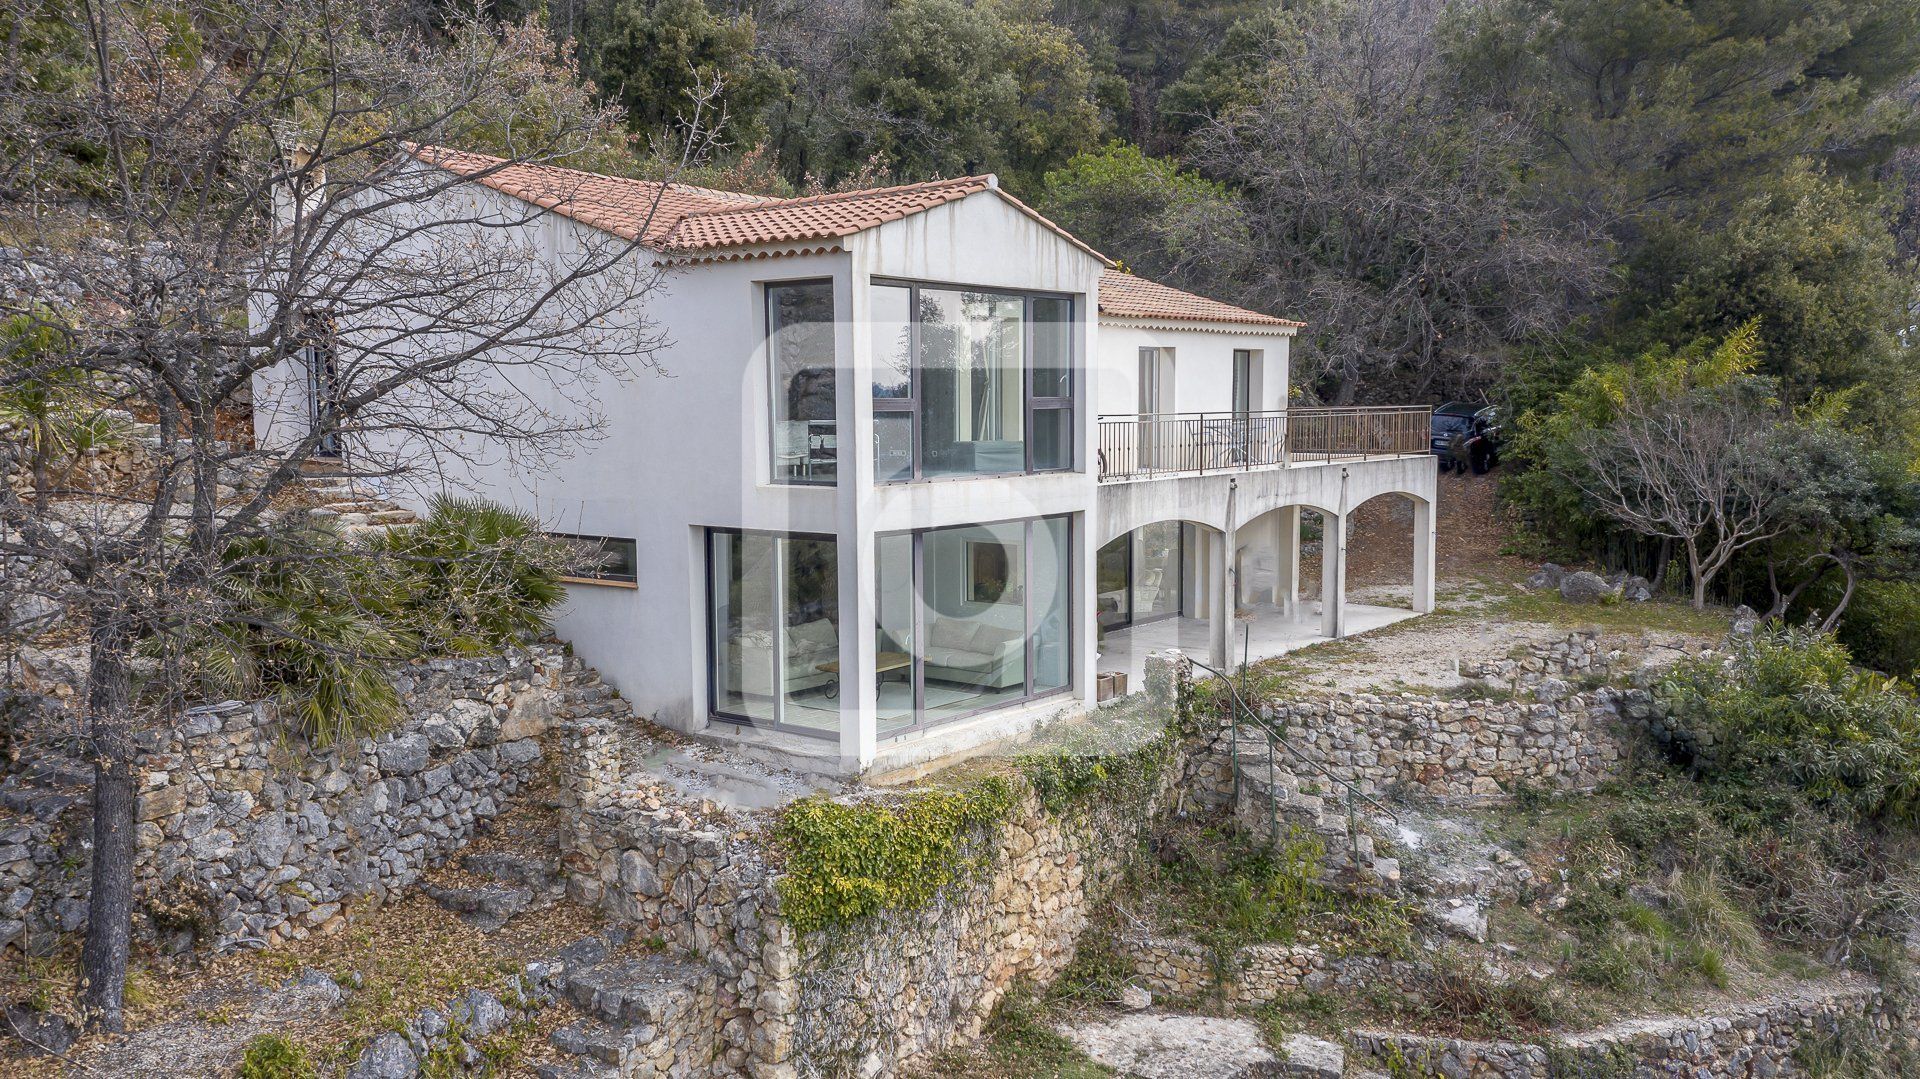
x: 1140, y: 575
x: 971, y: 619
x: 774, y: 630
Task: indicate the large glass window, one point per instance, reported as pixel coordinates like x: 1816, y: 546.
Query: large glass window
x: 971, y: 618
x: 800, y: 350
x: 1141, y: 575
x: 970, y: 383
x: 774, y: 625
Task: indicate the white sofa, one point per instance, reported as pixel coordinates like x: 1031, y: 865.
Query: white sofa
x: 975, y: 654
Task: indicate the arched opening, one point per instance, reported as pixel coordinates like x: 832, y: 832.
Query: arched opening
x: 1380, y: 545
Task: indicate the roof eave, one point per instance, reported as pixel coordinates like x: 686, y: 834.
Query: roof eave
x: 1168, y: 322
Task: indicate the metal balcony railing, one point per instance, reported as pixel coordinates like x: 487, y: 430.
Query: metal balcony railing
x: 1136, y: 447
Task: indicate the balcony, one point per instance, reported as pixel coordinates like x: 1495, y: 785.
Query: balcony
x: 1137, y: 447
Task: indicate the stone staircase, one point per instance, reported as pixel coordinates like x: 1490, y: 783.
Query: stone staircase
x: 356, y: 510
x: 1271, y: 793
x: 494, y: 886
x: 640, y: 1016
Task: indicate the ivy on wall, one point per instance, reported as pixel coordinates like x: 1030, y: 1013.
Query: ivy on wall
x: 844, y: 862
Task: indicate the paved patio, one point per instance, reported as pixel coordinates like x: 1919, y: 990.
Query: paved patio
x: 1273, y: 634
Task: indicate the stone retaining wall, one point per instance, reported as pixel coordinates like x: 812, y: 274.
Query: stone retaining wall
x: 865, y: 999
x: 1260, y: 973
x: 242, y: 842
x: 1758, y: 1038
x: 1542, y: 731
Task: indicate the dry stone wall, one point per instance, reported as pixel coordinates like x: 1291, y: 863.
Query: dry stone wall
x: 1760, y: 1038
x: 1545, y: 719
x: 1259, y: 973
x: 871, y: 997
x: 242, y: 842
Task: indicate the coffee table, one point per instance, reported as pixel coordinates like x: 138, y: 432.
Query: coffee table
x: 883, y: 663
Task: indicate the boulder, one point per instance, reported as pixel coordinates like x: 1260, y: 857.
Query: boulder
x: 1636, y: 589
x: 1546, y: 577
x: 388, y: 1057
x: 43, y: 1033
x: 1584, y: 587
x: 1313, y: 1058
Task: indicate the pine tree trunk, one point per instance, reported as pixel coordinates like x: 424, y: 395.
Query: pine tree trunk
x: 103, y: 958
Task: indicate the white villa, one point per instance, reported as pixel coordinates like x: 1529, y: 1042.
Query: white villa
x: 920, y: 466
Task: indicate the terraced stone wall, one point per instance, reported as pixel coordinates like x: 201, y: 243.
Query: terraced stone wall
x: 243, y: 841
x: 1767, y: 1037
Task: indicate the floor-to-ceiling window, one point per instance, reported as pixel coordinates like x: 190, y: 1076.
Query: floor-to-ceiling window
x: 774, y: 630
x: 1140, y: 575
x: 969, y: 382
x: 971, y: 618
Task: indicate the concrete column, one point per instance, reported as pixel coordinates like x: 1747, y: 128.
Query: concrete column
x: 1286, y: 565
x: 1333, y: 576
x: 1219, y: 597
x: 859, y: 605
x: 1423, y: 556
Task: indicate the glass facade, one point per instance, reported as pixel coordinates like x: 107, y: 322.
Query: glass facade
x: 970, y: 383
x: 988, y: 607
x: 800, y: 350
x: 774, y: 626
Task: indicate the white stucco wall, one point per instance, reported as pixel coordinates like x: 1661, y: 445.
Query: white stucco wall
x: 1202, y: 364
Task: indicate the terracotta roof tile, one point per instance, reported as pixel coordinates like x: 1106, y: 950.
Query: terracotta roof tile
x: 691, y: 219
x: 819, y: 217
x: 618, y: 205
x: 1125, y: 296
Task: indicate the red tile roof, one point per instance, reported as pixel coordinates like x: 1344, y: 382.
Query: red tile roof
x: 1126, y: 296
x: 618, y: 205
x: 691, y: 219
x: 818, y: 217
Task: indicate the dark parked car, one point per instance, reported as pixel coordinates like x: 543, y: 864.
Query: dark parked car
x: 1466, y: 436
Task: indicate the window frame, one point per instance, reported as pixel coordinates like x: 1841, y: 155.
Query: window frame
x: 631, y: 580
x: 917, y: 670
x: 913, y: 403
x: 1243, y: 362
x: 774, y: 389
x: 778, y: 722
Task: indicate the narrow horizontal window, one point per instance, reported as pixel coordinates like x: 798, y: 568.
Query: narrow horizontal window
x: 600, y: 559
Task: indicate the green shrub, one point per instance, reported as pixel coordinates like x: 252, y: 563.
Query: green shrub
x: 844, y: 862
x: 472, y: 577
x: 1076, y: 774
x: 317, y: 620
x: 271, y: 1056
x: 307, y: 628
x: 1790, y: 708
x: 1879, y: 627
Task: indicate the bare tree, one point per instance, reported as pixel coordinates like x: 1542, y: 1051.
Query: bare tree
x: 235, y: 190
x: 1700, y: 468
x: 1387, y: 203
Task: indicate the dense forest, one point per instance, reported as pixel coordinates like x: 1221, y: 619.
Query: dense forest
x: 1653, y: 231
